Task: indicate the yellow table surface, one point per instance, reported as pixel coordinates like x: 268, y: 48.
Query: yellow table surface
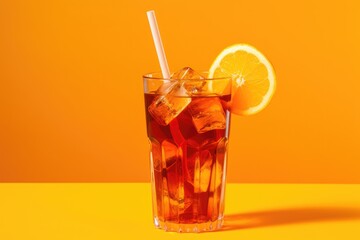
x: 123, y: 210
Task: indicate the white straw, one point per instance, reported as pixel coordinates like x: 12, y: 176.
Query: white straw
x: 158, y: 44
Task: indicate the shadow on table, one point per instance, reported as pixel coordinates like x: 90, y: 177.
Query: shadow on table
x: 289, y: 216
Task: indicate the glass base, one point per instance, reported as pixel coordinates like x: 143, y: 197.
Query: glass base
x: 189, y: 227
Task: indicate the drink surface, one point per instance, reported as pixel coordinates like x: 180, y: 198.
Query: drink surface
x: 188, y: 159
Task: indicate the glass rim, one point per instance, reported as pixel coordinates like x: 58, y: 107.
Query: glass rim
x: 157, y: 76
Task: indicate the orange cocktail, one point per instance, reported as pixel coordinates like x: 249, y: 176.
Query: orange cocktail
x: 188, y: 129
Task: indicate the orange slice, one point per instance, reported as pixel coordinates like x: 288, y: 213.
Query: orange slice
x: 253, y: 77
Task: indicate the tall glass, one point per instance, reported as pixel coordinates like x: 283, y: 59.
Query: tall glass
x: 188, y: 135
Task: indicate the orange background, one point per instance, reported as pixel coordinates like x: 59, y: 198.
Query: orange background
x: 71, y: 102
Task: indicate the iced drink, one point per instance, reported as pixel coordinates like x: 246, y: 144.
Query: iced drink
x: 188, y: 130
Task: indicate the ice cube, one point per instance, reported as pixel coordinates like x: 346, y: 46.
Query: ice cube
x: 215, y: 190
x: 187, y: 73
x: 213, y: 207
x: 199, y: 173
x: 217, y: 173
x: 155, y: 154
x: 216, y: 177
x: 174, y: 95
x: 169, y: 152
x: 207, y: 114
x: 205, y: 170
x: 186, y: 213
x: 172, y: 171
x: 166, y: 107
x: 168, y: 204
